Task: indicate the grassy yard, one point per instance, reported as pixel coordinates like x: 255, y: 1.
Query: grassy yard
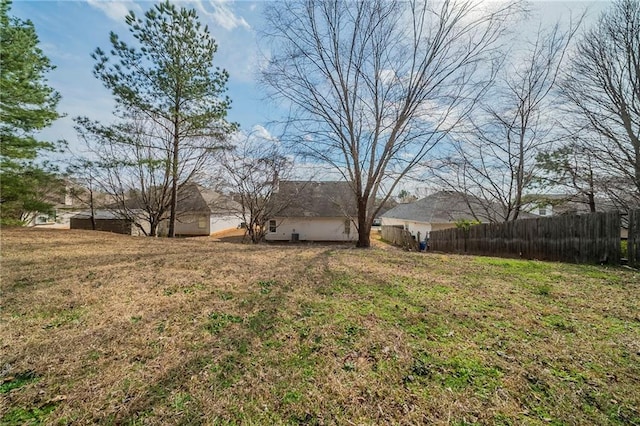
x: 111, y: 329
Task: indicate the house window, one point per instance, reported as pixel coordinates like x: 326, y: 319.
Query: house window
x: 272, y: 226
x: 202, y: 222
x: 347, y: 226
x: 543, y: 211
x: 43, y: 219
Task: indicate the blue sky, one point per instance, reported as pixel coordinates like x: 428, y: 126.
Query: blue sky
x: 70, y: 30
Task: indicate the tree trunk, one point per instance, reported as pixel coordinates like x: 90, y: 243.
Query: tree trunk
x: 364, y: 227
x: 93, y: 211
x: 592, y: 202
x: 174, y: 206
x: 174, y: 185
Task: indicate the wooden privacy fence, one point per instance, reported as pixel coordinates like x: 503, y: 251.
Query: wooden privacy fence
x: 633, y: 240
x: 399, y: 236
x: 592, y: 238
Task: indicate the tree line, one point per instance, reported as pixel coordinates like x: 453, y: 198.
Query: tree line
x: 382, y: 91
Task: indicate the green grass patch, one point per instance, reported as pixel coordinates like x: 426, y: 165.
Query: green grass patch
x: 219, y: 321
x: 19, y: 380
x: 559, y: 322
x: 457, y: 373
x: 266, y: 286
x: 27, y: 416
x: 65, y: 317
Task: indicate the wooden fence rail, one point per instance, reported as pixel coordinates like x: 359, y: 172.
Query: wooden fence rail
x: 633, y: 239
x: 399, y: 237
x: 592, y: 238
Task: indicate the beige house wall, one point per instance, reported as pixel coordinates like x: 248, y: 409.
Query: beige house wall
x: 192, y: 224
x: 312, y: 229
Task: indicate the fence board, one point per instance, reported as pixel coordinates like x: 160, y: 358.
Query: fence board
x: 593, y: 238
x: 399, y: 237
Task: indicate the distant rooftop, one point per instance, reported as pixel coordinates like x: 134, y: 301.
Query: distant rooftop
x: 448, y: 206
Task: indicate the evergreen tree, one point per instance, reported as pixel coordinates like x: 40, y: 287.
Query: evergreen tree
x: 27, y: 105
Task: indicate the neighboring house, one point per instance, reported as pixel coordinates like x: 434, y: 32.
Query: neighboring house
x: 203, y: 211
x: 557, y: 204
x: 561, y: 204
x: 66, y: 203
x: 315, y: 211
x: 200, y: 212
x: 440, y: 210
x: 554, y: 204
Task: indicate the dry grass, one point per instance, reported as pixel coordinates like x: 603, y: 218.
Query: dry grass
x: 103, y: 328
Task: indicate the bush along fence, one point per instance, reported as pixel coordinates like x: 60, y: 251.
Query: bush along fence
x: 591, y: 238
x: 398, y: 236
x: 633, y: 240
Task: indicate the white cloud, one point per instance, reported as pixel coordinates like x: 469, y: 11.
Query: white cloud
x: 115, y: 10
x: 387, y: 76
x: 260, y: 132
x: 222, y: 14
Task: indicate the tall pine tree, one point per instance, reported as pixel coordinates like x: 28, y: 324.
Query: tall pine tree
x: 27, y: 105
x: 169, y: 93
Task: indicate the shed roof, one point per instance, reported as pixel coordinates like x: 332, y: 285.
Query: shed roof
x: 98, y: 215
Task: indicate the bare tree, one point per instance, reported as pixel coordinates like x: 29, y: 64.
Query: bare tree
x: 603, y: 87
x: 132, y: 164
x: 374, y: 85
x: 133, y: 167
x: 252, y: 172
x: 493, y: 155
x: 85, y: 176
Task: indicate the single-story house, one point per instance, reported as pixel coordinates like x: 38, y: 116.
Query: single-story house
x: 440, y: 210
x: 313, y: 211
x: 200, y: 212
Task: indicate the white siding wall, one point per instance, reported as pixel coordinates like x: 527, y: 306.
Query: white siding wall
x: 414, y: 227
x: 220, y: 223
x: 312, y: 229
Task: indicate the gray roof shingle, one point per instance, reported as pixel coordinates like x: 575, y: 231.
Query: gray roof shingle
x: 445, y: 207
x: 316, y: 199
